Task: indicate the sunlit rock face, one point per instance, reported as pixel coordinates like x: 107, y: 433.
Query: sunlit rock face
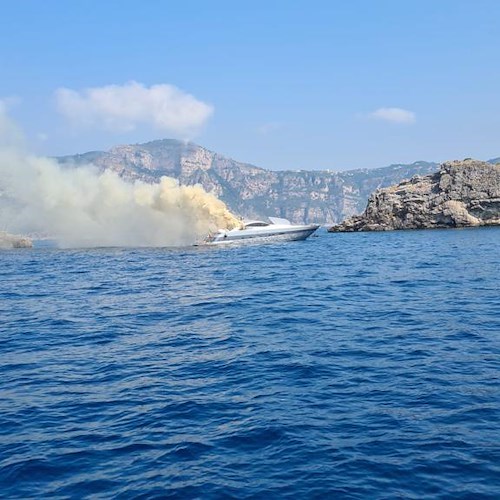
x: 461, y: 194
x: 302, y: 196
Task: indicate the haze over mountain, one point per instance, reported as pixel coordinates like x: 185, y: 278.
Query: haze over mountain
x: 301, y: 196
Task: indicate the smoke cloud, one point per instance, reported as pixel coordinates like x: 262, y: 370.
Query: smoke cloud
x: 82, y: 207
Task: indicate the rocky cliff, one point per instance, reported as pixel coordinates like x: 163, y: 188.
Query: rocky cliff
x: 301, y: 196
x: 460, y: 194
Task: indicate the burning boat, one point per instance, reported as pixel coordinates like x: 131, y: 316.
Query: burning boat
x: 257, y: 231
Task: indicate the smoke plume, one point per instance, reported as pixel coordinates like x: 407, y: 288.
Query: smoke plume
x: 82, y: 207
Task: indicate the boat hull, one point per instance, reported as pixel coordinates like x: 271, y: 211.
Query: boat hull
x: 274, y: 235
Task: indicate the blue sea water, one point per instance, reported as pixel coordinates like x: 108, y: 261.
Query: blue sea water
x: 345, y: 366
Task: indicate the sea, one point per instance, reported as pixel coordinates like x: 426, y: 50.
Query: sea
x: 357, y: 366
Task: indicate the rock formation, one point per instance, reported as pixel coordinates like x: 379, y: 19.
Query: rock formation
x: 8, y: 241
x: 462, y: 193
x: 252, y: 192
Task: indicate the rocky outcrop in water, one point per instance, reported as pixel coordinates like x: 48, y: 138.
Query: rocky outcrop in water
x: 8, y: 241
x: 462, y: 193
x: 320, y: 196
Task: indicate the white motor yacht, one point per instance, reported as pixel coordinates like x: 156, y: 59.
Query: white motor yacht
x: 259, y: 231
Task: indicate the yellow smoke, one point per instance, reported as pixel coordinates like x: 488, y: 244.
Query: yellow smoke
x: 207, y: 211
x: 82, y: 207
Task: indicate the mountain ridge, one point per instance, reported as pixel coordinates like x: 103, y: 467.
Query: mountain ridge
x: 323, y: 196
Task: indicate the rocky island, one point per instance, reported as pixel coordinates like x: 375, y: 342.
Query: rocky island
x: 8, y: 241
x: 461, y: 194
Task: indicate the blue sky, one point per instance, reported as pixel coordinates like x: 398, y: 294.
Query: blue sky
x: 281, y: 84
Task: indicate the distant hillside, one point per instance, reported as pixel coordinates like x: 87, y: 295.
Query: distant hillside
x: 301, y: 196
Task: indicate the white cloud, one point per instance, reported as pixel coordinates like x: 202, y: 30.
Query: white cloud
x: 394, y: 115
x: 269, y: 127
x: 122, y: 108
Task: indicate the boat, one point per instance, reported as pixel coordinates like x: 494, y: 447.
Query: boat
x: 257, y: 231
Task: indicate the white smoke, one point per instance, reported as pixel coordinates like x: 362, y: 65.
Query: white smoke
x: 82, y: 207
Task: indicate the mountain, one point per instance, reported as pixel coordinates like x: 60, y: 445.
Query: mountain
x: 462, y: 193
x: 301, y: 196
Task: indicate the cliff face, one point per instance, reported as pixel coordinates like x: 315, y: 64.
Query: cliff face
x: 462, y: 193
x: 301, y: 196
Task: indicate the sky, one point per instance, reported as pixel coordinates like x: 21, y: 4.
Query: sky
x: 280, y: 84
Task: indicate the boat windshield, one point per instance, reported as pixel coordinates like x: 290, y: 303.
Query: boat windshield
x: 256, y: 223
